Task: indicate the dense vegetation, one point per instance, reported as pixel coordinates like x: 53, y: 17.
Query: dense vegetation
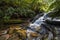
x: 17, y: 9
x: 26, y: 8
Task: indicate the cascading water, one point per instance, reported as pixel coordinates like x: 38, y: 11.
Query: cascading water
x: 35, y: 26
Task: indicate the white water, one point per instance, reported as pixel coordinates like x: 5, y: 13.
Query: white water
x: 38, y: 22
x: 36, y: 25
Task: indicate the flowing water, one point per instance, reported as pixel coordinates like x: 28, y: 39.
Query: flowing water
x: 35, y: 26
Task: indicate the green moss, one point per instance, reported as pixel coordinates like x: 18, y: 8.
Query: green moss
x: 14, y: 21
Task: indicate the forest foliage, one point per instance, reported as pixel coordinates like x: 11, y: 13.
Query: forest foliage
x: 26, y: 8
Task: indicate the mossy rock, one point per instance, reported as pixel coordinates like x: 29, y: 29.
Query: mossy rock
x: 14, y: 21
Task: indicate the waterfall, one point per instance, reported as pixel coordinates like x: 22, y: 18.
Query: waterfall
x: 38, y: 21
x: 36, y: 25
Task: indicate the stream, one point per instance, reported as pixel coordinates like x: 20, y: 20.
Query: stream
x: 36, y: 26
